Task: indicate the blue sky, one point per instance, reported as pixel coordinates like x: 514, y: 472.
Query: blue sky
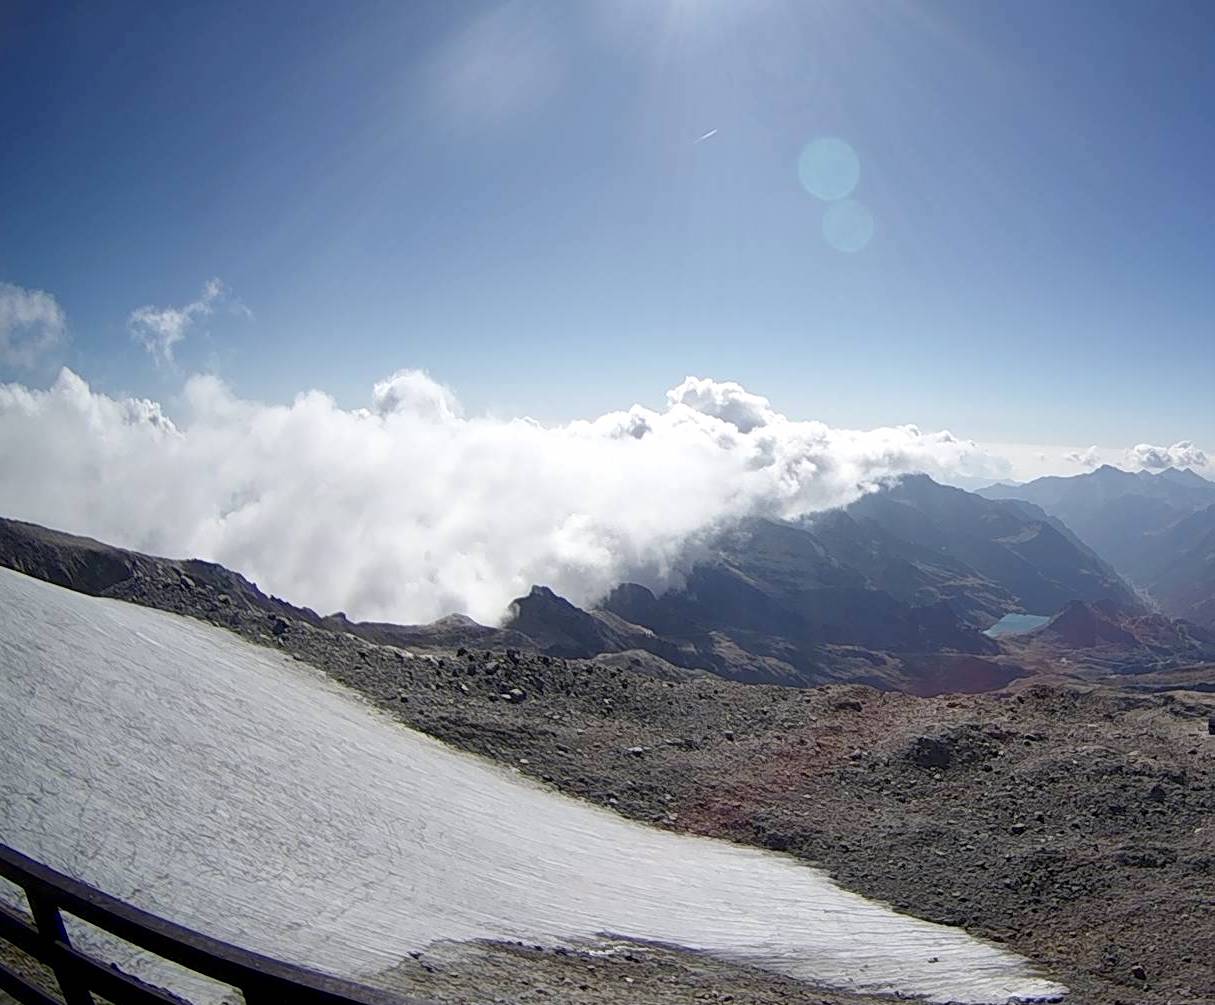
x: 517, y: 198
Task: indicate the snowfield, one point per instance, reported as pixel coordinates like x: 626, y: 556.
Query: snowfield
x: 225, y: 787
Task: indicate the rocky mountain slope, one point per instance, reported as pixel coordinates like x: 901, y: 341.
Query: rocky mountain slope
x: 1019, y: 548
x: 912, y: 569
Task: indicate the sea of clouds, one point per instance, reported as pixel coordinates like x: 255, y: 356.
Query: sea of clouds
x: 407, y: 509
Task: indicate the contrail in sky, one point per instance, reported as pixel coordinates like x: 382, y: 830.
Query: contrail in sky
x: 701, y: 139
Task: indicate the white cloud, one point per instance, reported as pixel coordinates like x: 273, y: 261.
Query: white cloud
x: 1088, y: 458
x: 1182, y: 454
x: 159, y: 329
x: 724, y: 400
x: 413, y: 392
x: 31, y: 324
x: 407, y: 510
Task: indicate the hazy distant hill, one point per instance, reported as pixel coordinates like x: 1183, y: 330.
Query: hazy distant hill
x: 1158, y: 530
x: 1177, y: 566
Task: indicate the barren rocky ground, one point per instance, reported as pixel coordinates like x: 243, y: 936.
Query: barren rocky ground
x: 611, y: 972
x: 1074, y: 822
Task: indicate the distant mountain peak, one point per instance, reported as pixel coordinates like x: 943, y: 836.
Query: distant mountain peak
x: 1185, y: 476
x: 541, y: 598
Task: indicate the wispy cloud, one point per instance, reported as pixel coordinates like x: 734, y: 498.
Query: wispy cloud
x: 159, y: 329
x: 31, y: 324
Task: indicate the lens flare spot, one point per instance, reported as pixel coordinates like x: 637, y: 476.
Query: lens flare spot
x: 828, y: 168
x: 848, y: 225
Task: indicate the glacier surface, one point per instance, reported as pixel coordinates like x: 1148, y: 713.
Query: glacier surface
x: 228, y: 788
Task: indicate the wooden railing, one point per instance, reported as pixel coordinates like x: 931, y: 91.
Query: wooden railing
x: 262, y: 980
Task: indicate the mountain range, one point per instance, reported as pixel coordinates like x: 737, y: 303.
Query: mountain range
x: 897, y: 590
x: 1157, y: 530
x: 915, y: 568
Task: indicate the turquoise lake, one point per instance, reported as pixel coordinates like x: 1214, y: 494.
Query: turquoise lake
x: 1016, y: 624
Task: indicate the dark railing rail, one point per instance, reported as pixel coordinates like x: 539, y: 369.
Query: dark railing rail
x: 262, y: 980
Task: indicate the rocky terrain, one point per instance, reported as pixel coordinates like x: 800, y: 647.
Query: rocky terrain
x: 1072, y: 820
x: 609, y: 972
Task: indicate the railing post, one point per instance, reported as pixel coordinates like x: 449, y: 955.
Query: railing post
x: 51, y: 929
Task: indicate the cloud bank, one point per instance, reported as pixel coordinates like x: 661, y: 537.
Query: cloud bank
x: 408, y: 510
x: 1182, y: 454
x: 31, y: 324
